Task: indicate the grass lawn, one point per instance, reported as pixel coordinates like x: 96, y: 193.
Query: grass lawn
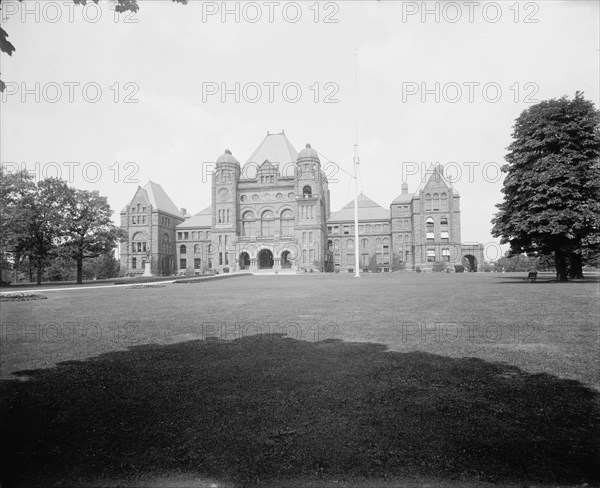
x: 390, y: 380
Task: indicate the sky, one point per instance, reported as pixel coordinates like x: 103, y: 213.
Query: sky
x: 109, y: 101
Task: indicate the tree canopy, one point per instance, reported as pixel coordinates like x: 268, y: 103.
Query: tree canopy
x: 121, y: 6
x: 552, y: 189
x: 43, y: 220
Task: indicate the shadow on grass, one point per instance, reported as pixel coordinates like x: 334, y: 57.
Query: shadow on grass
x: 268, y: 407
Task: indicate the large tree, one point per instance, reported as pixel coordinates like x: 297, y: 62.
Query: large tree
x: 89, y: 230
x: 552, y: 189
x: 121, y: 6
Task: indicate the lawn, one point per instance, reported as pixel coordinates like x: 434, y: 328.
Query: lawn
x: 305, y: 381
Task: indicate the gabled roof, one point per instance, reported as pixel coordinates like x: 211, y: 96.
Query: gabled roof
x: 201, y: 219
x: 367, y: 210
x: 274, y: 148
x: 158, y: 198
x: 436, y: 171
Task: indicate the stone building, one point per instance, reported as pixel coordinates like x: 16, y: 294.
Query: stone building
x: 274, y: 213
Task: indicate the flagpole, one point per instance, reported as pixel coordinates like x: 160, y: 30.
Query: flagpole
x: 356, y: 243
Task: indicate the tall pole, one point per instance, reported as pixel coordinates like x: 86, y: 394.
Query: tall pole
x: 356, y: 243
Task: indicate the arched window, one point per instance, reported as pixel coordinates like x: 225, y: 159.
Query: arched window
x: 350, y: 244
x: 443, y: 221
x: 307, y: 191
x: 310, y: 237
x: 268, y: 224
x: 445, y: 254
x: 365, y: 243
x: 182, y: 249
x: 197, y: 249
x: 436, y: 201
x: 138, y: 243
x: 330, y: 244
x: 429, y: 223
x: 444, y: 202
x: 287, y: 223
x: 248, y: 224
x: 428, y: 201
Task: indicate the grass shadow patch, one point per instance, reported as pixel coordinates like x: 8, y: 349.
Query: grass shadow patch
x: 268, y: 407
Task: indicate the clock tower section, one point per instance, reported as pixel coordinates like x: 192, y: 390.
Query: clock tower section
x: 225, y: 210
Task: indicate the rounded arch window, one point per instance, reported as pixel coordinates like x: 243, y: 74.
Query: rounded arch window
x: 444, y: 201
x: 247, y: 224
x: 307, y: 191
x: 429, y: 222
x: 428, y: 201
x: 436, y: 201
x: 182, y: 249
x: 287, y: 223
x: 267, y: 223
x: 443, y: 221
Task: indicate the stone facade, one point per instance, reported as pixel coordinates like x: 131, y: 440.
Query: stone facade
x: 274, y: 213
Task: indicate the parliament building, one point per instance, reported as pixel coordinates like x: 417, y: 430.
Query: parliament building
x: 273, y: 213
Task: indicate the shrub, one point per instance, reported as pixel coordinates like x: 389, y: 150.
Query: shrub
x: 459, y: 268
x: 439, y: 267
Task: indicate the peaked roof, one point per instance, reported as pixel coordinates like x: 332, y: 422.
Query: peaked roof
x: 367, y: 210
x: 403, y: 198
x: 201, y: 219
x: 436, y: 171
x: 158, y: 198
x: 275, y: 148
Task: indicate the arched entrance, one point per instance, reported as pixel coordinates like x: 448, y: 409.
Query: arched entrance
x: 470, y: 263
x: 244, y: 261
x: 265, y: 259
x: 286, y: 262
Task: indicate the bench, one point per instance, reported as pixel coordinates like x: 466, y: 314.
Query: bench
x: 531, y: 277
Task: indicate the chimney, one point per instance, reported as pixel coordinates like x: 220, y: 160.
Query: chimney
x: 184, y: 212
x: 404, y: 188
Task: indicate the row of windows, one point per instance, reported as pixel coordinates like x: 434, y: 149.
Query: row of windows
x: 307, y: 212
x: 197, y: 263
x: 362, y: 229
x: 267, y: 179
x: 195, y: 235
x: 138, y: 219
x: 381, y: 245
x: 223, y: 216
x: 137, y: 209
x: 436, y: 201
x: 267, y: 224
x: 404, y: 211
x: 432, y: 257
x: 138, y: 247
x: 165, y: 221
x: 429, y: 222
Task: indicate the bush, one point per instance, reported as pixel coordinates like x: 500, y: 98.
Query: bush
x: 418, y: 269
x: 459, y: 268
x: 439, y: 267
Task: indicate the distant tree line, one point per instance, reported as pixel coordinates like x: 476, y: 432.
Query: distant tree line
x: 49, y: 230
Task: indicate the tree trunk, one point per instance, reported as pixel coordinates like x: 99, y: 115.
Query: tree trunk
x: 40, y: 272
x: 79, y: 270
x: 575, y: 266
x: 561, y: 265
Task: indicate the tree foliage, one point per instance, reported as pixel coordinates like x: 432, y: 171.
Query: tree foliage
x: 43, y: 221
x: 121, y: 6
x: 552, y: 189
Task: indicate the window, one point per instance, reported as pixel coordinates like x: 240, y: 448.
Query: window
x: 443, y: 221
x: 361, y: 229
x: 310, y: 237
x: 133, y: 263
x: 365, y: 243
x: 444, y: 201
x: 197, y: 249
x: 268, y: 224
x: 247, y: 224
x: 429, y: 224
x: 386, y: 227
x: 166, y: 245
x: 307, y: 191
x: 346, y: 229
x: 350, y: 245
x: 431, y: 256
x: 197, y: 263
x: 368, y: 229
x: 329, y: 229
x: 378, y: 228
x: 182, y: 263
x: 182, y: 250
x: 336, y: 229
x: 445, y: 236
x: 445, y: 254
x: 436, y: 201
x: 430, y: 236
x: 428, y: 201
x: 186, y: 236
x: 179, y: 236
x: 287, y: 223
x: 304, y: 238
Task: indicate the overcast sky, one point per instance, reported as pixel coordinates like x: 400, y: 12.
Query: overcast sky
x: 438, y: 82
